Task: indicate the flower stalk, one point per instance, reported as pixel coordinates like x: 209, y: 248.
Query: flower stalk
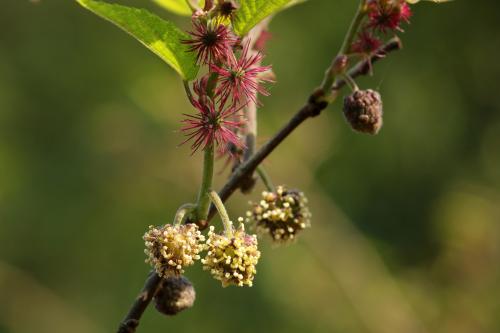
x: 228, y: 225
x: 203, y: 203
x: 265, y: 179
x: 183, y: 212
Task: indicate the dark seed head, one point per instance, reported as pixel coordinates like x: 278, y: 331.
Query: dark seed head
x: 226, y: 8
x: 363, y: 111
x: 177, y: 294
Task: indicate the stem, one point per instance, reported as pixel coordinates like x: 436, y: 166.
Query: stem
x: 266, y: 179
x: 350, y: 82
x: 203, y: 203
x: 228, y: 225
x: 212, y: 82
x: 331, y: 72
x: 189, y: 94
x: 182, y: 213
x: 151, y: 287
x: 353, y: 28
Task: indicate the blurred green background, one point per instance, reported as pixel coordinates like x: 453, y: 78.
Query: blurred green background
x: 406, y: 233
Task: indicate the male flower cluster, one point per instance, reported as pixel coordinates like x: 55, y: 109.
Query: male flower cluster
x: 232, y: 260
x: 282, y: 214
x: 171, y: 248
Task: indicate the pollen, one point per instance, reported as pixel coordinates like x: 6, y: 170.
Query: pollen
x: 171, y: 248
x: 281, y: 214
x: 232, y: 260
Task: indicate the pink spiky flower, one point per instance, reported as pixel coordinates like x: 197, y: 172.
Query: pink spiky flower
x: 386, y: 15
x: 211, y: 42
x: 366, y: 43
x: 212, y: 126
x: 241, y: 78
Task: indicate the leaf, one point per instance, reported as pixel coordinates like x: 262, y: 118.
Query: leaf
x: 179, y: 7
x: 160, y: 36
x: 294, y: 2
x: 252, y: 12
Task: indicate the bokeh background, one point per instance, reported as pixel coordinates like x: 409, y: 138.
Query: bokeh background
x: 406, y: 233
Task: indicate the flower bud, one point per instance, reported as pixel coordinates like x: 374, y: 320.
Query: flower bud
x: 176, y: 294
x: 281, y: 214
x: 363, y: 111
x: 170, y: 248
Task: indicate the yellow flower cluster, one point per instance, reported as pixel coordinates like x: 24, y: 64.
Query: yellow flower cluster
x: 170, y: 248
x: 232, y: 260
x: 281, y: 214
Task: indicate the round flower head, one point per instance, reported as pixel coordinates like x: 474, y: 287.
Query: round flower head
x: 281, y: 214
x: 170, y: 248
x: 232, y: 260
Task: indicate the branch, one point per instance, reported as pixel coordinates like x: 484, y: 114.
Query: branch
x: 312, y: 108
x: 151, y: 287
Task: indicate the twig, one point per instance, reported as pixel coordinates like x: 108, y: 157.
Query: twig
x: 151, y: 287
x: 312, y: 108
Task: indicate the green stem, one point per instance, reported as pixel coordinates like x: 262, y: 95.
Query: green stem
x: 331, y: 72
x: 266, y: 179
x: 212, y: 82
x: 189, y: 94
x: 350, y: 82
x: 203, y: 203
x: 353, y: 29
x: 228, y: 226
x: 182, y: 213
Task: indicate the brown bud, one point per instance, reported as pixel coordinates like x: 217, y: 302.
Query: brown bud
x: 176, y: 294
x: 340, y: 64
x: 363, y: 111
x: 226, y: 8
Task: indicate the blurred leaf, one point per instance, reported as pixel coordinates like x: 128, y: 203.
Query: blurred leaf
x: 160, y: 36
x: 251, y: 12
x: 294, y: 2
x: 179, y: 7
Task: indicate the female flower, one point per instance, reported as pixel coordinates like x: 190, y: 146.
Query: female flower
x: 211, y: 42
x: 239, y: 79
x: 386, y: 15
x: 212, y: 126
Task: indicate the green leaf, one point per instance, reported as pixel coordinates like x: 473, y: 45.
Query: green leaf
x: 294, y: 2
x: 160, y: 36
x: 179, y: 7
x: 251, y: 12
